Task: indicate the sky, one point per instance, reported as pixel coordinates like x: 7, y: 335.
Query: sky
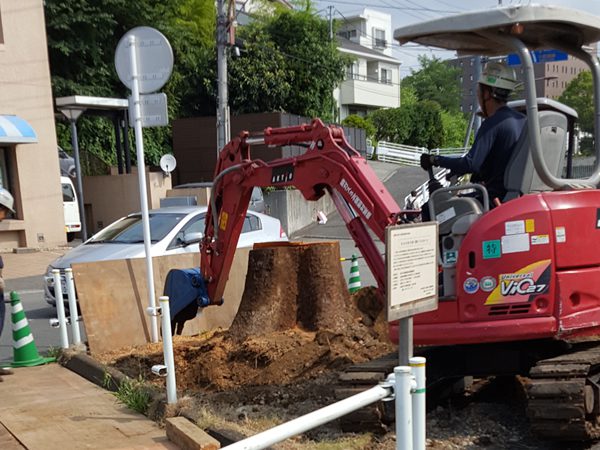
x: 406, y: 12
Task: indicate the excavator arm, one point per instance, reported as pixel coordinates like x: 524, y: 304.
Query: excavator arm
x: 329, y: 164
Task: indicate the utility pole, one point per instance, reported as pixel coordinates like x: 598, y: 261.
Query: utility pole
x: 476, y: 75
x: 223, y: 23
x: 330, y: 14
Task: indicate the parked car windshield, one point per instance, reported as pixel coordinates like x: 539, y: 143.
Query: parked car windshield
x: 130, y: 229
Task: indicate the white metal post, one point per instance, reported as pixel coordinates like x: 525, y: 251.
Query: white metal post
x: 75, y: 334
x: 403, y: 379
x: 417, y: 366
x: 168, y: 349
x: 139, y: 144
x: 60, y: 309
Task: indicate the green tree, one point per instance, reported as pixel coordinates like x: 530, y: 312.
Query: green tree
x: 82, y: 38
x: 579, y: 95
x: 455, y: 129
x: 427, y: 128
x: 436, y: 81
x: 356, y: 121
x: 288, y: 63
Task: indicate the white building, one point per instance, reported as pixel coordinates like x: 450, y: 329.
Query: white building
x: 373, y: 81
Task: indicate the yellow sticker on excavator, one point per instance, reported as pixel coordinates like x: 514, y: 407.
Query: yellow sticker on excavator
x: 223, y: 218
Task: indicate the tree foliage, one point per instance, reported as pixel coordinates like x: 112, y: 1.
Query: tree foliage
x: 579, y: 95
x: 288, y: 63
x: 357, y: 121
x: 435, y: 81
x: 82, y: 38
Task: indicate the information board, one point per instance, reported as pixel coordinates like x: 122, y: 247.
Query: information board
x: 538, y: 56
x: 412, y: 269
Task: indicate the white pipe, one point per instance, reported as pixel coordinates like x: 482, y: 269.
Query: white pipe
x: 403, y: 380
x: 417, y: 366
x: 314, y: 419
x: 168, y: 349
x: 75, y: 334
x: 139, y: 144
x: 60, y: 309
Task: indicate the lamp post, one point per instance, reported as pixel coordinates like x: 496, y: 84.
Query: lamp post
x: 73, y: 114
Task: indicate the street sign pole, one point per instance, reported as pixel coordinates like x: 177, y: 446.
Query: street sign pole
x: 139, y: 144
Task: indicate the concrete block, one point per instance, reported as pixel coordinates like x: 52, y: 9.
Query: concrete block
x: 188, y: 436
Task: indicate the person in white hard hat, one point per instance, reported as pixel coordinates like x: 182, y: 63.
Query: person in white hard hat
x: 496, y: 139
x: 6, y: 206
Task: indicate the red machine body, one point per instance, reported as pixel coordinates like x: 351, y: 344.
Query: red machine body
x: 528, y: 269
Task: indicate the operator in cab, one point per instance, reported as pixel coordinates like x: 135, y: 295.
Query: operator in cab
x: 496, y: 139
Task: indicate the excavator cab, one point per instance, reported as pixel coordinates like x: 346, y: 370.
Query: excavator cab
x: 526, y: 274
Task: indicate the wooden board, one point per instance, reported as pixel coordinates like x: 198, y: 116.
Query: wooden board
x: 113, y: 298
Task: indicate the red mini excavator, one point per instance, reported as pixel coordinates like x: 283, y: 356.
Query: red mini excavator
x: 521, y: 282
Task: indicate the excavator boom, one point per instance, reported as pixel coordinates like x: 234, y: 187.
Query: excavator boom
x: 329, y: 164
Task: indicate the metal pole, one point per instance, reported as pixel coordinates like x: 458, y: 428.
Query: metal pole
x: 60, y: 309
x: 477, y: 121
x: 405, y: 340
x: 222, y: 96
x: 80, y: 202
x: 314, y: 419
x: 75, y: 334
x: 404, y: 438
x: 417, y: 366
x: 139, y: 143
x: 168, y: 349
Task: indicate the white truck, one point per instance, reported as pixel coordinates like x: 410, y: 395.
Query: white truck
x: 71, y: 208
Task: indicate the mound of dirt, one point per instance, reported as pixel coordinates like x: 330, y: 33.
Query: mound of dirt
x: 296, y: 321
x: 220, y: 361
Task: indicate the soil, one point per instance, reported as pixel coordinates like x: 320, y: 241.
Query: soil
x: 296, y: 329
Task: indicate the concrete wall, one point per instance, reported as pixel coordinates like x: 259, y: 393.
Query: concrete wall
x: 33, y: 169
x: 294, y: 212
x: 110, y: 197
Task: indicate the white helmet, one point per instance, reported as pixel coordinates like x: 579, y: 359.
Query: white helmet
x: 6, y: 199
x: 498, y: 75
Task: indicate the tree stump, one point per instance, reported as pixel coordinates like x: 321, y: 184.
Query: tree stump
x: 296, y: 285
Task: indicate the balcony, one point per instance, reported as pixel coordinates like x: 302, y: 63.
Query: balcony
x: 359, y: 90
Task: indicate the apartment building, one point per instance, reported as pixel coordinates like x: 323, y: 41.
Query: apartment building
x: 373, y: 80
x: 29, y: 165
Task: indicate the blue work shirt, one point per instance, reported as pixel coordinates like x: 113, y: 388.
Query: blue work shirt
x: 488, y: 157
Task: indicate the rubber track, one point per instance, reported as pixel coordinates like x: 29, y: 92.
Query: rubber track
x: 557, y: 390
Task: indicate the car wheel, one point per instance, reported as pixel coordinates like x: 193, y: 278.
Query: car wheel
x: 70, y: 237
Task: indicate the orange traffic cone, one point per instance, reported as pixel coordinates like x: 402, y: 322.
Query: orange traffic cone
x: 25, y: 352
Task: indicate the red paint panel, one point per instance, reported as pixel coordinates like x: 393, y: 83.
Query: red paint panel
x: 579, y: 292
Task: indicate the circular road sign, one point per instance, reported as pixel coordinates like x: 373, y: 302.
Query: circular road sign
x: 154, y: 58
x: 168, y: 163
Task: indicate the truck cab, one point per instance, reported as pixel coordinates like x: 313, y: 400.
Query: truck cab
x: 71, y: 208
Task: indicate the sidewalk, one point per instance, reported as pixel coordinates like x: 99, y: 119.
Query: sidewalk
x: 19, y: 265
x: 49, y: 407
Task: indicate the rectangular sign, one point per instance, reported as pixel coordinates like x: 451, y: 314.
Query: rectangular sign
x: 153, y: 110
x: 412, y: 269
x: 538, y: 56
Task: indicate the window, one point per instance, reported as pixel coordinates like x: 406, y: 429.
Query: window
x: 195, y: 225
x: 385, y: 76
x: 251, y: 223
x: 68, y: 194
x: 353, y: 71
x: 379, y: 38
x: 348, y: 34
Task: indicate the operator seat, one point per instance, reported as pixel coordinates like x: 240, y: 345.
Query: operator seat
x: 521, y: 177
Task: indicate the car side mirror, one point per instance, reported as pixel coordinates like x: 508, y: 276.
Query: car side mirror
x: 192, y: 238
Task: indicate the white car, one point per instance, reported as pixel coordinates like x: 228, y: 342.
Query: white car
x: 173, y: 230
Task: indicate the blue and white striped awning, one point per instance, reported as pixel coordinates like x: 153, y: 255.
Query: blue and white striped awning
x: 15, y: 130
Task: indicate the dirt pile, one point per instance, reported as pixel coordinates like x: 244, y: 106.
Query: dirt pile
x: 296, y: 321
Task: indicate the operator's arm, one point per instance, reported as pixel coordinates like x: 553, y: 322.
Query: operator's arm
x: 473, y: 160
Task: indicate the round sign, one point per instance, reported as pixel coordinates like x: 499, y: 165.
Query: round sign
x: 168, y: 163
x: 154, y: 58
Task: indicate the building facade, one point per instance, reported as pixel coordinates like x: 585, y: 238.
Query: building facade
x: 373, y: 80
x: 29, y: 165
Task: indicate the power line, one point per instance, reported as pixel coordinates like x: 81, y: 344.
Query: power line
x: 400, y: 8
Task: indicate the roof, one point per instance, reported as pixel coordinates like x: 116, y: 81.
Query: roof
x: 348, y: 46
x: 543, y: 26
